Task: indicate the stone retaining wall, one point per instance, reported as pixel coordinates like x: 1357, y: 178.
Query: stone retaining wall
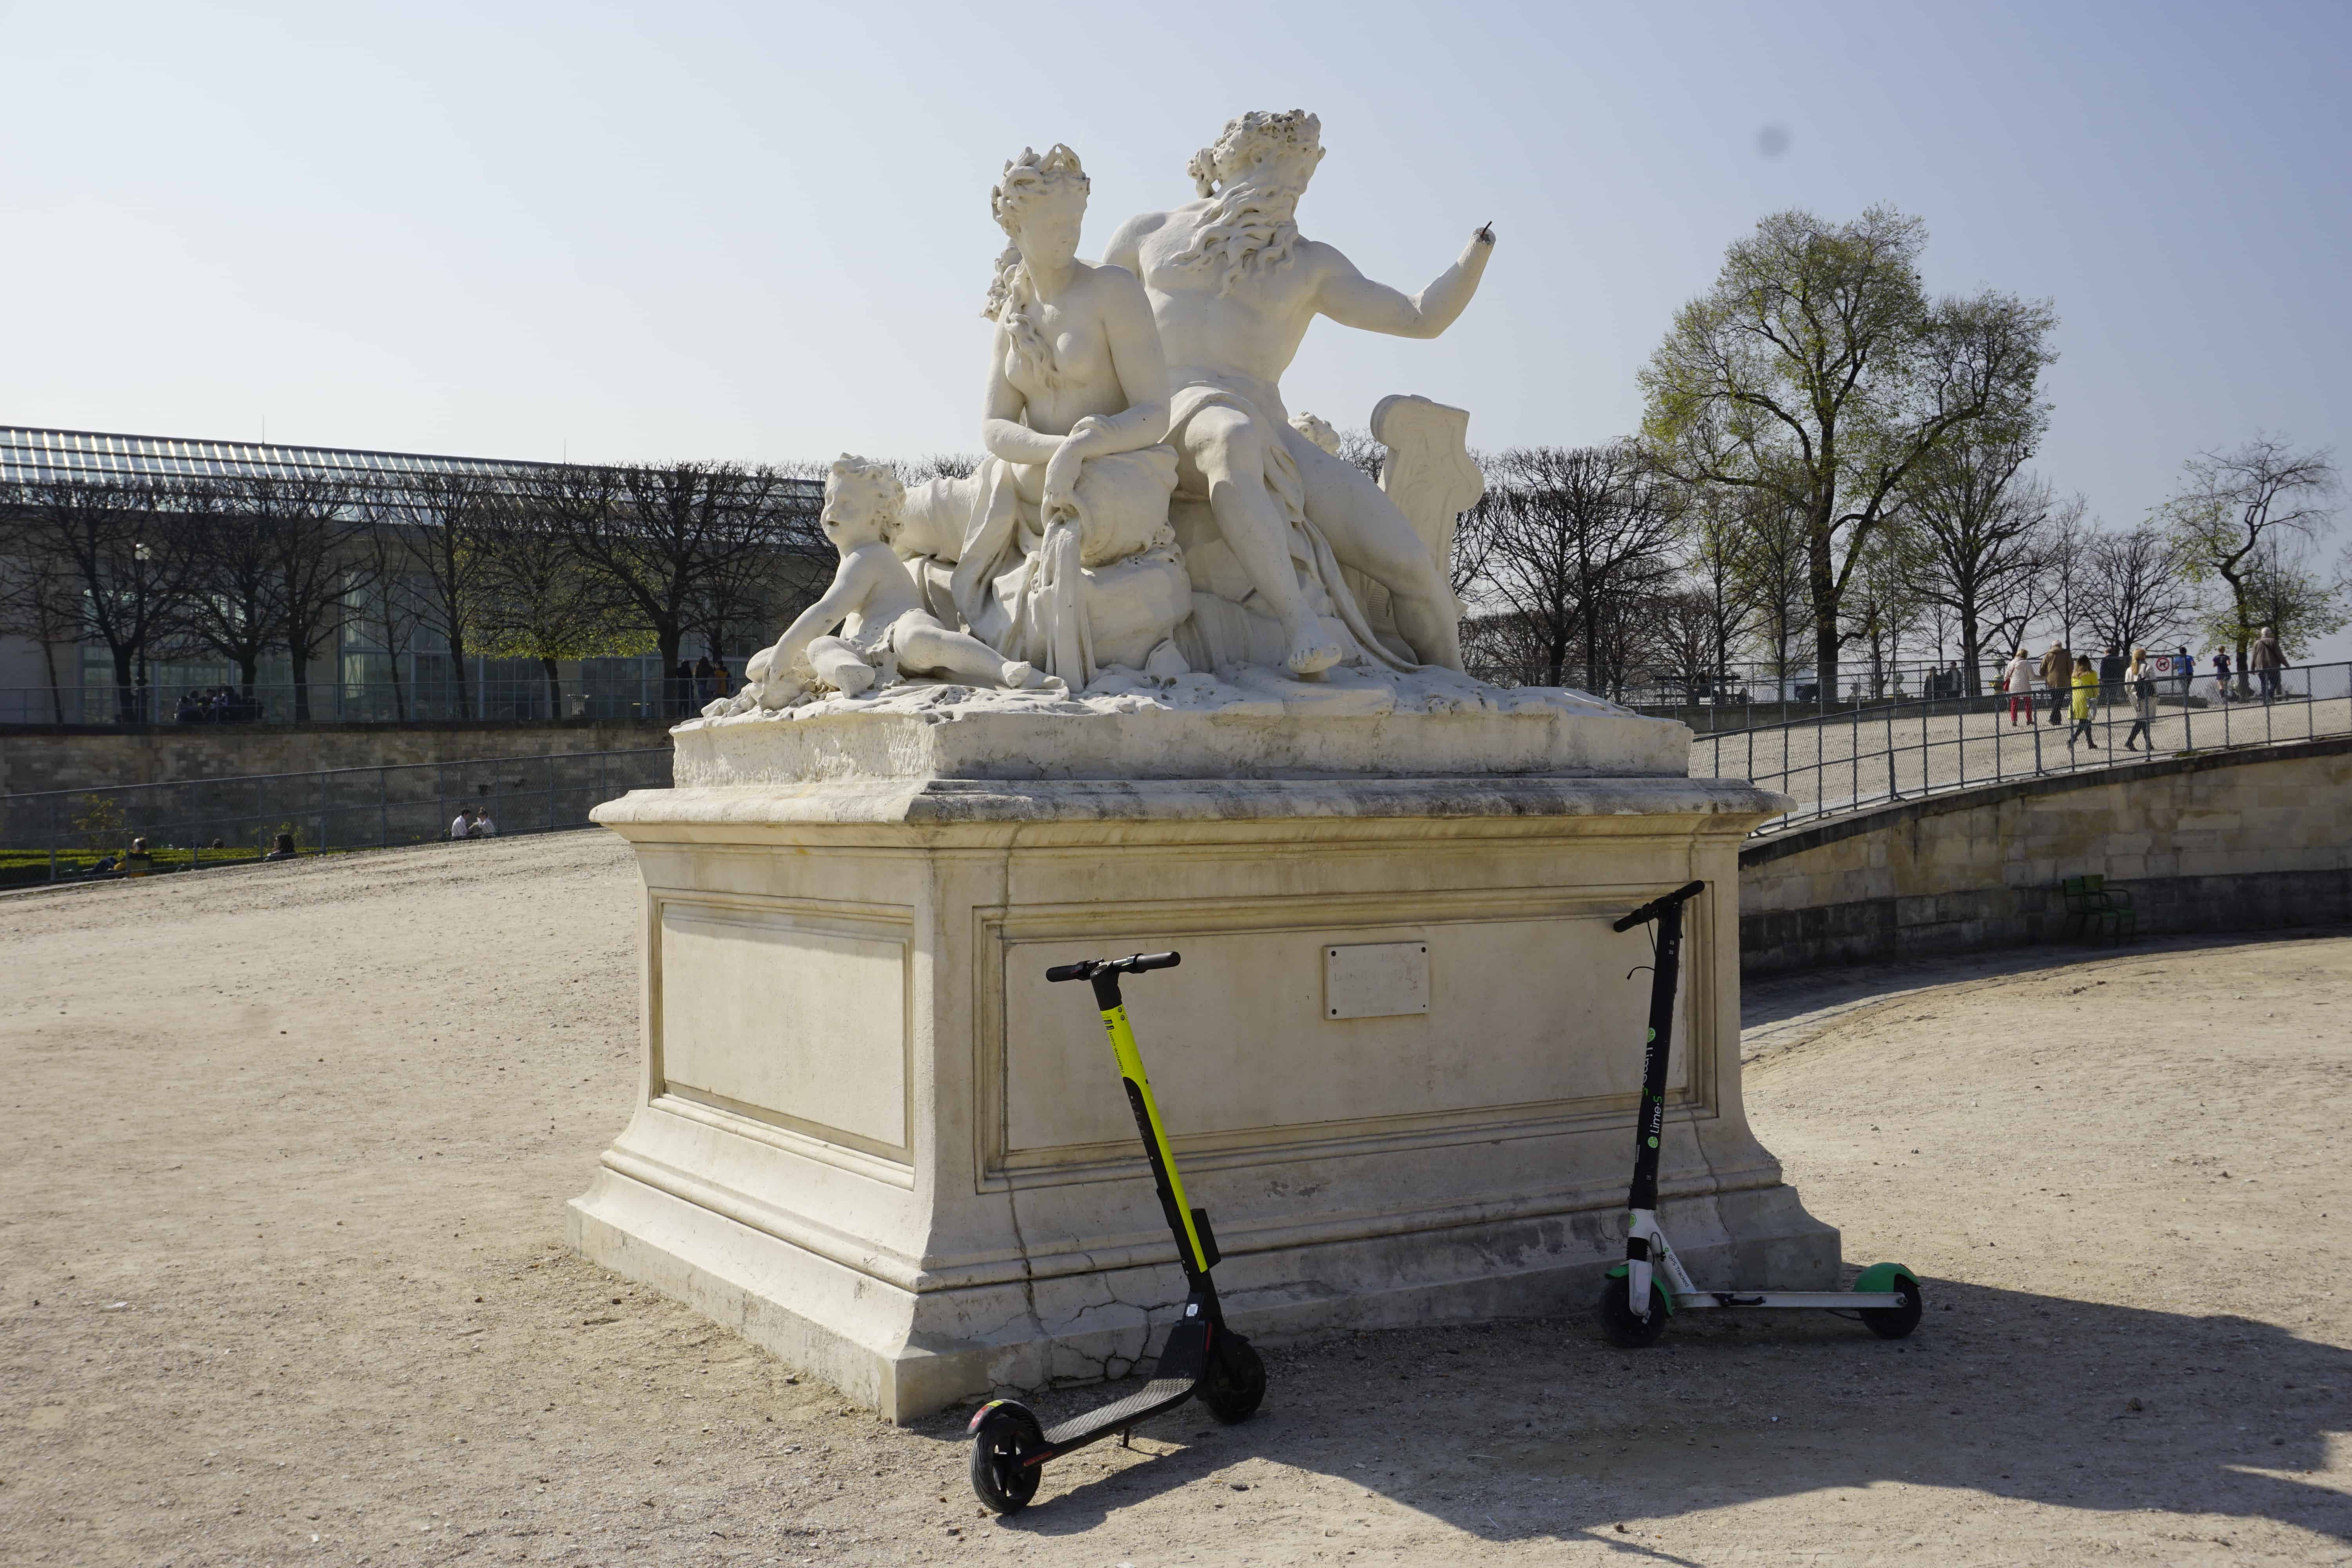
x: 2222, y: 841
x: 36, y: 757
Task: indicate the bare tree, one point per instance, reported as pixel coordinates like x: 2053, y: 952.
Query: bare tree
x: 313, y: 524
x: 537, y: 599
x: 2066, y: 593
x: 1712, y: 613
x: 235, y: 605
x: 40, y: 598
x: 1770, y: 559
x: 1976, y: 523
x: 1572, y: 538
x: 128, y: 558
x: 2140, y: 587
x: 445, y: 523
x: 2238, y: 514
x: 1817, y: 369
x: 391, y: 602
x: 659, y: 536
x: 759, y: 591
x: 1883, y: 605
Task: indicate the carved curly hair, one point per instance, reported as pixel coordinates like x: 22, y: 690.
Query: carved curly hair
x: 1248, y: 226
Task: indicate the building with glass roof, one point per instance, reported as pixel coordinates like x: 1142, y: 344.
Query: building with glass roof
x: 37, y: 683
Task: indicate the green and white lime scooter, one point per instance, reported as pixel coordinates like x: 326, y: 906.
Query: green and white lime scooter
x: 1643, y: 1292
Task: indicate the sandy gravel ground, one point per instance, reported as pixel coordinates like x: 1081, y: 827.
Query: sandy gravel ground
x: 283, y: 1281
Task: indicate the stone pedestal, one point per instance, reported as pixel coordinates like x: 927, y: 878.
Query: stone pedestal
x: 1399, y: 1062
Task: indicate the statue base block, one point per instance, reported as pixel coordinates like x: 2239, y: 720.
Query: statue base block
x: 1399, y: 1062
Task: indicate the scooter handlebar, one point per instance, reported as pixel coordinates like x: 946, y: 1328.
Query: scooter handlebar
x: 1134, y: 964
x: 1657, y: 907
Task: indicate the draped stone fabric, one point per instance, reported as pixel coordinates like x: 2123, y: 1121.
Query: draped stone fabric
x: 1216, y: 638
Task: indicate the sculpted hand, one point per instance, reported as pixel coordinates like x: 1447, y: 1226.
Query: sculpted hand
x: 1059, y: 502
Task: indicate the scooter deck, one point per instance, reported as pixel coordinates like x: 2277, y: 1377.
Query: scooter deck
x: 1832, y: 1300
x: 1182, y: 1361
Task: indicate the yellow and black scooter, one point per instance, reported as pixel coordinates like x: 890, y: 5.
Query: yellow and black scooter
x: 1202, y: 1356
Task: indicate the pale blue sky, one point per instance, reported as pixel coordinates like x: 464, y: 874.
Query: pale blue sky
x: 763, y: 231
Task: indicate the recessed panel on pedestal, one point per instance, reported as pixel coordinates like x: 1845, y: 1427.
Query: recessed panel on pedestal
x: 1465, y: 1023
x: 794, y: 1018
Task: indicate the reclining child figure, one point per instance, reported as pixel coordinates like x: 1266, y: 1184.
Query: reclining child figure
x: 885, y: 631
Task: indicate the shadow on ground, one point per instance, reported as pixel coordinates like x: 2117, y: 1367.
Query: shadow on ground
x: 2067, y: 1404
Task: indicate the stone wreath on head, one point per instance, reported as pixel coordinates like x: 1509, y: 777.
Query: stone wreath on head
x: 1247, y: 139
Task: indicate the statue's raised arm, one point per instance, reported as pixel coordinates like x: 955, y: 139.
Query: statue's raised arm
x: 1352, y: 299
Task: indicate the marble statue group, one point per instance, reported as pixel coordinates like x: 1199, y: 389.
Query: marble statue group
x: 1167, y: 670
x: 1148, y: 510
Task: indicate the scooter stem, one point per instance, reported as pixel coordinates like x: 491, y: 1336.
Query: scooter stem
x: 1649, y: 1123
x: 1165, y: 1176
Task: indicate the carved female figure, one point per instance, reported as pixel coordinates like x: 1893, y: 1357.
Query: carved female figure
x: 1066, y: 556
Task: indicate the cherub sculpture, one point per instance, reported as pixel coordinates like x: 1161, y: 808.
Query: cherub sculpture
x: 885, y: 631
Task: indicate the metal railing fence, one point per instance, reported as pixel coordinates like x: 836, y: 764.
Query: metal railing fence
x: 1846, y: 756
x: 58, y: 835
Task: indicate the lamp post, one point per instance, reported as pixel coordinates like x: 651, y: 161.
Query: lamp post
x: 138, y: 590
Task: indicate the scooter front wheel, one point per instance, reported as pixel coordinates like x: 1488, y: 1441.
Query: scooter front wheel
x: 1003, y: 1438
x: 1234, y: 1383
x: 1618, y: 1325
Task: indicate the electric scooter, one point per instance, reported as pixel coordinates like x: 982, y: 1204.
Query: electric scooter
x: 1643, y: 1292
x: 1202, y: 1356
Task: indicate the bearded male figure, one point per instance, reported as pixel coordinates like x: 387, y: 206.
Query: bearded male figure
x: 1233, y: 287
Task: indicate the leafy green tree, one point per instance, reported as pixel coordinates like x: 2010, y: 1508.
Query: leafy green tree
x: 2244, y: 518
x: 1818, y: 370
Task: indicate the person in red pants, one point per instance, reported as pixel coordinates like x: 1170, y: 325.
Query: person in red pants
x: 2018, y: 681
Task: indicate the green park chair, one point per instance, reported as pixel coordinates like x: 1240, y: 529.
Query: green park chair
x: 2095, y: 913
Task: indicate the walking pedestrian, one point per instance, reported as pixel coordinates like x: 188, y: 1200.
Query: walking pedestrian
x: 2111, y: 676
x: 2184, y: 667
x: 2085, y: 685
x: 2221, y: 674
x: 2266, y: 659
x: 2057, y: 671
x: 705, y: 687
x: 2018, y: 681
x: 2142, y: 681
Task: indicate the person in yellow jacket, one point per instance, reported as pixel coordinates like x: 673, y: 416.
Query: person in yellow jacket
x: 2086, y: 686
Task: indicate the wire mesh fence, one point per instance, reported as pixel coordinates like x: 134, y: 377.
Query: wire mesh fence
x: 1845, y: 757
x: 176, y: 702
x: 61, y: 835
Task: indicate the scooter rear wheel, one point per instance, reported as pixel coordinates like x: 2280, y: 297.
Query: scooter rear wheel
x: 1007, y: 1436
x: 1619, y: 1326
x: 1234, y: 1383
x: 1895, y: 1322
